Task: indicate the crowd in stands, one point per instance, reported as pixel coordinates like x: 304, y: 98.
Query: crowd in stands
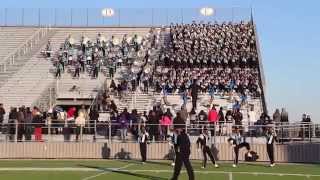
x: 211, y: 80
x: 225, y: 44
x: 219, y: 58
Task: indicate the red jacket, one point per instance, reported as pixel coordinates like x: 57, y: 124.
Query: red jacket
x: 213, y: 116
x: 71, y: 112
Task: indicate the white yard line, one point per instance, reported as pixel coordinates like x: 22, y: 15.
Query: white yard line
x: 230, y: 176
x: 107, y: 171
x: 110, y: 170
x: 48, y: 169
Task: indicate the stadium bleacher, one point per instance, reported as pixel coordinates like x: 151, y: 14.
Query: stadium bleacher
x: 37, y: 75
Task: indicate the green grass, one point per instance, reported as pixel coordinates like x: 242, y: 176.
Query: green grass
x: 154, y: 170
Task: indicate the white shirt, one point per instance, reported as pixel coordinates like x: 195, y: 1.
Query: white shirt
x: 252, y: 116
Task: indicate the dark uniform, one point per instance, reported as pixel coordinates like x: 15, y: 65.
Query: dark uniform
x: 173, y: 138
x: 143, y: 140
x: 239, y: 142
x: 194, y: 94
x: 182, y: 156
x: 271, y: 137
x: 204, y: 142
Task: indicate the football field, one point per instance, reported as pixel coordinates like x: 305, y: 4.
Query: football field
x: 153, y: 170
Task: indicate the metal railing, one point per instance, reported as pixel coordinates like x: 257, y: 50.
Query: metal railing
x: 86, y: 17
x: 24, y: 48
x: 101, y: 131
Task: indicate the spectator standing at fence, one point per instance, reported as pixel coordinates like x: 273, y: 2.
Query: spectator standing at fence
x: 165, y: 123
x: 2, y: 113
x: 38, y: 123
x: 84, y: 112
x: 28, y: 126
x: 252, y: 116
x: 153, y: 124
x: 184, y: 114
x: 212, y: 119
x: 306, y: 129
x: 71, y: 114
x: 80, y: 122
x: 69, y: 121
x: 276, y: 117
x: 124, y: 123
x: 284, y: 116
x: 178, y: 121
x: 266, y: 119
x: 21, y: 124
x: 203, y: 119
x: 237, y: 116
x: 229, y: 121
x: 12, y: 122
x: 134, y: 122
x: 221, y: 121
x: 193, y: 117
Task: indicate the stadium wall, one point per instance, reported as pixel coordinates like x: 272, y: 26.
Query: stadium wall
x: 308, y: 153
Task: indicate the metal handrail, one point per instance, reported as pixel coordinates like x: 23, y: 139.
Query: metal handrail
x: 287, y: 132
x: 33, y: 39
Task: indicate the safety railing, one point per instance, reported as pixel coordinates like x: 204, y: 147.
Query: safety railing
x: 115, y: 131
x: 24, y: 48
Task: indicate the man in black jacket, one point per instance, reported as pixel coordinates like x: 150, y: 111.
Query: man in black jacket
x: 2, y: 113
x: 143, y: 140
x: 182, y: 155
x: 194, y: 93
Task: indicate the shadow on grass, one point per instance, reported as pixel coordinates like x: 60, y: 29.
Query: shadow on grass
x: 144, y: 176
x: 123, y: 172
x: 168, y: 163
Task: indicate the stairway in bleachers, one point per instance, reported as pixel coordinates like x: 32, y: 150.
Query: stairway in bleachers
x: 139, y: 101
x: 10, y: 39
x: 27, y: 85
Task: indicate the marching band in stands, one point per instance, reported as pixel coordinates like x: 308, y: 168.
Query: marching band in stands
x: 184, y: 59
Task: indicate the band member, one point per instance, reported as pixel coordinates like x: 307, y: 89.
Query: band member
x: 182, y: 155
x: 143, y: 140
x: 204, y: 144
x: 270, y: 137
x: 238, y: 141
x: 173, y: 144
